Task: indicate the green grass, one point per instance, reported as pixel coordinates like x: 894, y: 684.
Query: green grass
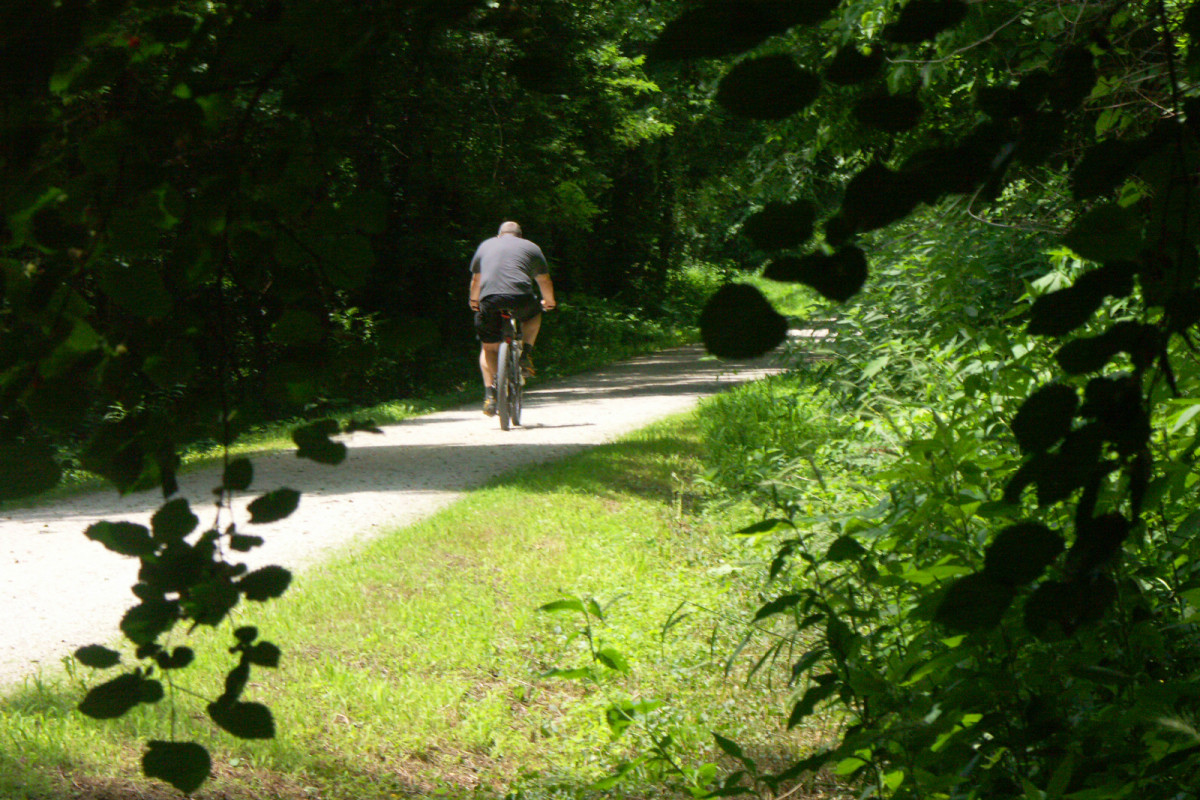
x: 415, y: 665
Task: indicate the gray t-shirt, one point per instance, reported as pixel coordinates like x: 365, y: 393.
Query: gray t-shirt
x: 508, y: 265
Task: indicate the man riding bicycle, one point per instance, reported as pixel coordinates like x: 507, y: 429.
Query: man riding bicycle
x: 504, y: 272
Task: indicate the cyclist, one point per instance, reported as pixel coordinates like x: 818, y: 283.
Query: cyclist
x: 507, y: 271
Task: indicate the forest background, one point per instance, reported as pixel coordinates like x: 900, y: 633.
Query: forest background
x: 222, y: 213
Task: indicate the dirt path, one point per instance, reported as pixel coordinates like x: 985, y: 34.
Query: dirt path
x: 59, y: 590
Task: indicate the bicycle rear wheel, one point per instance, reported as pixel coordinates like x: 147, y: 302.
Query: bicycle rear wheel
x: 504, y: 393
x: 517, y: 391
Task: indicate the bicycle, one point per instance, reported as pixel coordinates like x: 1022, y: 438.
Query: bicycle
x: 510, y: 381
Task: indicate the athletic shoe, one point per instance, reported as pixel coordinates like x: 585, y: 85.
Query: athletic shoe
x: 489, y: 403
x: 527, y: 364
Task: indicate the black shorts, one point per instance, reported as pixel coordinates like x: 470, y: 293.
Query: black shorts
x: 487, y: 319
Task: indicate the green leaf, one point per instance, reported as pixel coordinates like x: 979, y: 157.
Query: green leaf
x: 1107, y: 233
x: 265, y: 583
x: 808, y: 703
x: 183, y: 765
x: 243, y: 720
x: 738, y: 322
x: 766, y: 526
x: 1020, y: 553
x: 244, y: 544
x: 974, y: 602
x: 1045, y: 417
x: 613, y: 659
x: 780, y: 226
x: 239, y: 474
x: 769, y: 87
x: 921, y: 20
x: 173, y: 521
x: 568, y: 604
x: 838, y: 277
x: 313, y: 442
x: 807, y: 662
x: 845, y: 548
x: 273, y: 506
x: 730, y: 747
x: 568, y: 674
x: 97, y: 657
x: 126, y: 538
x: 778, y: 605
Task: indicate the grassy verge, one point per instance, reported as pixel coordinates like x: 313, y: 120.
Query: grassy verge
x: 416, y: 665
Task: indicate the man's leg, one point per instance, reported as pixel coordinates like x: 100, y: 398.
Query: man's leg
x: 529, y: 330
x: 489, y: 355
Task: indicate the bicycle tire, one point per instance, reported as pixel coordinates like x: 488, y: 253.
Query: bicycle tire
x: 517, y: 390
x: 504, y: 385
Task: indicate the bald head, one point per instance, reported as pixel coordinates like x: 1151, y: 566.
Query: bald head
x: 509, y: 229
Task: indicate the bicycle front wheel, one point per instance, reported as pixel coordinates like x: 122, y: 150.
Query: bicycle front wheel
x: 517, y: 389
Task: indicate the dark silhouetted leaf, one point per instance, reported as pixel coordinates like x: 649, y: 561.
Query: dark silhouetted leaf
x: 1080, y: 356
x: 126, y: 538
x: 921, y: 20
x: 116, y: 697
x: 721, y: 28
x: 264, y: 654
x: 239, y: 474
x: 780, y: 226
x: 1052, y: 610
x: 210, y: 601
x: 807, y: 662
x: 838, y: 277
x: 363, y: 425
x: 243, y: 720
x: 138, y: 287
x: 738, y: 322
x: 974, y: 602
x: 273, y: 506
x: 845, y: 548
x: 313, y: 442
x: 890, y: 113
x: 143, y: 623
x: 27, y: 469
x: 1045, y: 417
x: 183, y: 765
x: 851, y: 66
x: 1059, y: 313
x: 770, y: 87
x: 97, y: 657
x: 244, y: 544
x: 1097, y: 542
x: 1107, y: 164
x: 1107, y: 233
x: 1020, y: 553
x: 265, y: 583
x: 878, y: 196
x: 1073, y: 79
x: 173, y: 521
x: 179, y: 658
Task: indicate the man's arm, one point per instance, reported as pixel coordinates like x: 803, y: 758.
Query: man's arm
x: 474, y: 301
x: 547, y: 287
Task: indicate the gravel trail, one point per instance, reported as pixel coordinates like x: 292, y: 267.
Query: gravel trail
x: 58, y: 590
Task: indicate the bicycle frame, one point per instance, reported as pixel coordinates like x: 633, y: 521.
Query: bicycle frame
x: 510, y: 382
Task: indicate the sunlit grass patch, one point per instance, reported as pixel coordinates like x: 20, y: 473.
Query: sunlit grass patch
x: 416, y: 664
